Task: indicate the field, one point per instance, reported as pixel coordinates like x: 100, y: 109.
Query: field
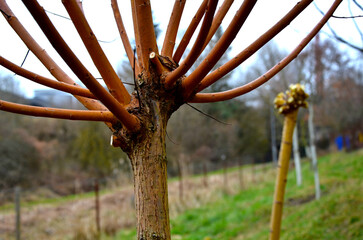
x: 219, y: 210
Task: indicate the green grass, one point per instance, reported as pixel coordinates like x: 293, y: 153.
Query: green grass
x: 8, y: 207
x: 337, y: 215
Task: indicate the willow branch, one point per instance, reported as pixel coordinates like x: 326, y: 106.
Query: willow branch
x: 123, y: 35
x: 65, y: 87
x: 129, y: 120
x: 146, y: 40
x: 172, y: 30
x: 113, y: 82
x: 191, y: 81
x: 137, y: 39
x: 254, y: 47
x: 86, y: 115
x: 80, y: 5
x: 42, y: 55
x: 189, y: 32
x: 217, y: 21
x: 194, y: 53
x: 226, y: 95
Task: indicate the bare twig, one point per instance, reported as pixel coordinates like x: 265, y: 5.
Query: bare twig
x: 167, y: 135
x: 358, y: 5
x: 340, y: 39
x: 207, y: 115
x: 56, y: 14
x: 334, y: 16
x: 335, y: 35
x: 26, y: 55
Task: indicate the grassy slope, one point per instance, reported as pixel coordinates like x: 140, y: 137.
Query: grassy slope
x: 337, y: 215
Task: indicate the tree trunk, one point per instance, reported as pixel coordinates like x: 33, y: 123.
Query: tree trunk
x: 313, y: 151
x: 146, y: 149
x: 151, y: 190
x: 273, y: 136
x: 297, y: 159
x: 149, y: 163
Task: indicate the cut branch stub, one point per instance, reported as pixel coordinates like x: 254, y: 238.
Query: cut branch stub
x: 292, y: 99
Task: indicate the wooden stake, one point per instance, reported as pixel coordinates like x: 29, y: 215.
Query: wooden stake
x: 17, y: 213
x: 97, y: 208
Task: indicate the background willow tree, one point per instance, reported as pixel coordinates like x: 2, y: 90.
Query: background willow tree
x: 138, y: 121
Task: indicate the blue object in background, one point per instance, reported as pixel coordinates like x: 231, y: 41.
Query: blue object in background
x: 339, y: 141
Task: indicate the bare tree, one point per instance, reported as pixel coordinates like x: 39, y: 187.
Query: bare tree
x: 138, y: 121
x: 352, y: 7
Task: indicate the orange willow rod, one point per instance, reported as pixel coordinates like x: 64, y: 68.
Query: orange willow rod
x: 191, y: 81
x: 144, y: 30
x: 137, y: 38
x: 184, y: 66
x: 38, y: 13
x: 172, y: 30
x: 189, y: 32
x: 113, y: 82
x: 255, y: 46
x: 79, y: 2
x: 226, y: 95
x: 85, y: 115
x: 65, y: 87
x: 44, y: 58
x: 125, y: 40
x: 217, y: 21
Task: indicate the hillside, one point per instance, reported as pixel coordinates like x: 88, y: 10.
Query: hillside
x: 220, y: 209
x: 337, y: 215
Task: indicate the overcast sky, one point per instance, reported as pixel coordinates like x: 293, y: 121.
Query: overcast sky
x: 99, y: 13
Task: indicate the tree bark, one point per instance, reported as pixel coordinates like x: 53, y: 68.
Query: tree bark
x: 149, y: 163
x: 147, y: 152
x: 151, y: 190
x: 297, y: 159
x: 314, y: 158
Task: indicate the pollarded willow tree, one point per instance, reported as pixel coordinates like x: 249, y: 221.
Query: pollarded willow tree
x: 138, y: 121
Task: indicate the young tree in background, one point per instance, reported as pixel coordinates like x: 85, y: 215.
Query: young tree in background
x: 138, y: 121
x: 288, y: 104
